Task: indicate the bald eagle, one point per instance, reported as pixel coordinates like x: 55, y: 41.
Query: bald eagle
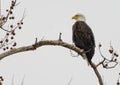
x: 83, y: 36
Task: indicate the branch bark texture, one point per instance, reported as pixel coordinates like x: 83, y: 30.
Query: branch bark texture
x: 39, y: 44
x: 54, y: 43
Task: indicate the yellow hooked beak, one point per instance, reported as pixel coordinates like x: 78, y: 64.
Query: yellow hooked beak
x: 74, y: 17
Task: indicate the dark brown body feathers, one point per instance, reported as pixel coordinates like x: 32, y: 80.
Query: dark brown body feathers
x: 83, y: 38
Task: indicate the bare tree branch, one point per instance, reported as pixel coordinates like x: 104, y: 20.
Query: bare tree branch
x: 39, y: 44
x: 54, y: 43
x: 97, y: 73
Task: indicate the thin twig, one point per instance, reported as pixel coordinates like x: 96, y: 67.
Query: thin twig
x: 70, y: 81
x: 60, y: 37
x: 23, y: 80
x: 100, y: 63
x: 109, y: 67
x: 13, y: 80
x: 102, y: 55
x: 5, y: 30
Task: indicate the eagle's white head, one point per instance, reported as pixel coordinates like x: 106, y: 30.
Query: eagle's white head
x: 79, y: 17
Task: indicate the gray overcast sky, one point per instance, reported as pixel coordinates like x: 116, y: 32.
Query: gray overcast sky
x: 54, y: 65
